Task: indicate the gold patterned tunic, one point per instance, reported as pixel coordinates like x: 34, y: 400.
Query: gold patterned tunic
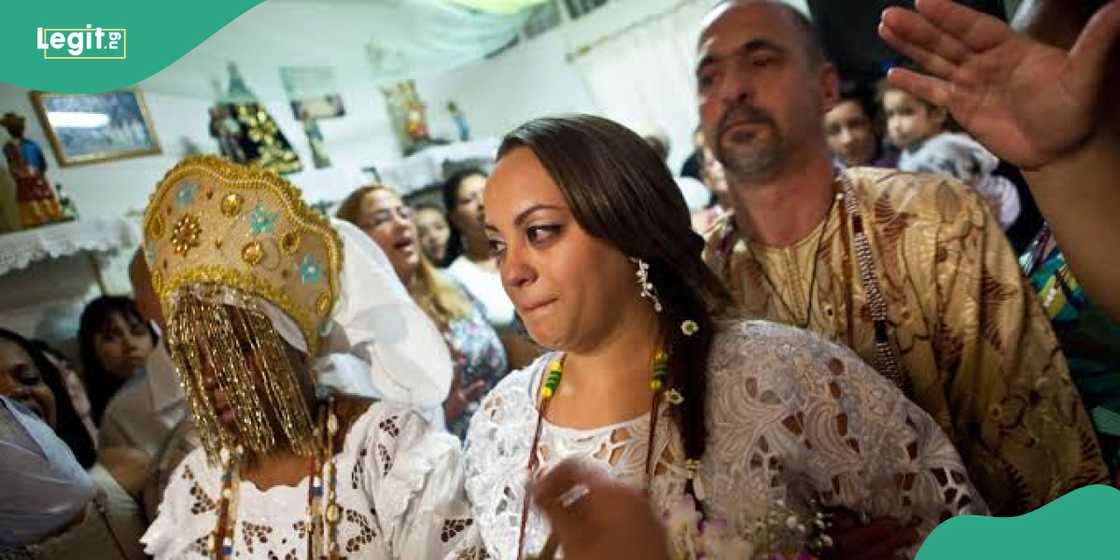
x: 967, y: 329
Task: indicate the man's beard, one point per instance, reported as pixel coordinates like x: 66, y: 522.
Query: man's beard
x: 754, y: 158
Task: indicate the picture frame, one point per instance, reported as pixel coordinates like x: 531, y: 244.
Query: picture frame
x: 87, y: 128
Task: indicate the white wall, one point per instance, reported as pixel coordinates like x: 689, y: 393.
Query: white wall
x: 108, y: 189
x: 532, y: 79
x: 529, y: 80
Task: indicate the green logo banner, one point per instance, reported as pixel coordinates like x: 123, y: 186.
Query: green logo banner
x: 1081, y: 524
x: 72, y: 46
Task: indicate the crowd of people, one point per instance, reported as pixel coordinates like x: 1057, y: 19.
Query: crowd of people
x: 888, y: 305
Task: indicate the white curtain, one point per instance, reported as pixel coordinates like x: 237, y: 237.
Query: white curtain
x: 643, y: 74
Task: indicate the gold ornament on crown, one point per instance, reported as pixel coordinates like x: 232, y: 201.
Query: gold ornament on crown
x: 241, y: 241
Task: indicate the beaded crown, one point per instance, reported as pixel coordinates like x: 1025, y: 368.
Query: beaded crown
x: 211, y: 221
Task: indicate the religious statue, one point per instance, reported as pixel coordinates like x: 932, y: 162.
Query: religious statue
x: 246, y: 133
x: 28, y: 166
x: 460, y: 121
x: 224, y: 129
x: 315, y: 138
x: 409, y: 116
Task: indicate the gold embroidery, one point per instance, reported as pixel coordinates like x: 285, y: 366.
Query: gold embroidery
x: 231, y: 204
x: 252, y: 253
x: 184, y: 236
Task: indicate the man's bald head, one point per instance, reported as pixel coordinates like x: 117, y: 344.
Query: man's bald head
x: 763, y: 87
x: 811, y: 46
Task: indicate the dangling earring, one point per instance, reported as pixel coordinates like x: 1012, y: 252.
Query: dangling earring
x: 648, y: 289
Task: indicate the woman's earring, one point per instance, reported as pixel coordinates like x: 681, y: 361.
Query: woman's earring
x: 648, y: 289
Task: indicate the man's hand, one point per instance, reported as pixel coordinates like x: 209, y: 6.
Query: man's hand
x: 1027, y: 102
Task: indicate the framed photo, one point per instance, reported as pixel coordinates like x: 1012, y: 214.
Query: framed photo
x: 87, y: 128
x: 321, y: 107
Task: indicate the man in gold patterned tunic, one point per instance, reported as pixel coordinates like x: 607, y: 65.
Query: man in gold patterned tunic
x: 909, y: 271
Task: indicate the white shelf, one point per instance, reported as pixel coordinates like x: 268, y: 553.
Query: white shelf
x: 20, y: 249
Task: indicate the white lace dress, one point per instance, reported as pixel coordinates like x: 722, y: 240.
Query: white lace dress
x: 399, y: 490
x: 786, y: 410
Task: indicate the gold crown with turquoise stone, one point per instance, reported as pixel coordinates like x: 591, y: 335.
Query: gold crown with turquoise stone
x: 211, y: 221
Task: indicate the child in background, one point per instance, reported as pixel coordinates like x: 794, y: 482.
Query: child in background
x: 920, y: 131
x: 959, y: 156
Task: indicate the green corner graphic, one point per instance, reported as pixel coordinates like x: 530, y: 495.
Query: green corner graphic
x: 157, y: 33
x: 1082, y: 524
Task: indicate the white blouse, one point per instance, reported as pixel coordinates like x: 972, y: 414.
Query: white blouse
x: 399, y: 491
x: 787, y: 411
x: 484, y: 285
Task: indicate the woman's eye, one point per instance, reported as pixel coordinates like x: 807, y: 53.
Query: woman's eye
x: 538, y: 234
x: 497, y: 248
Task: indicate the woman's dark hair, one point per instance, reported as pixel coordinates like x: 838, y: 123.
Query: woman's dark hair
x: 100, y: 384
x: 430, y: 206
x: 68, y: 426
x: 450, y: 191
x: 864, y: 95
x: 620, y: 191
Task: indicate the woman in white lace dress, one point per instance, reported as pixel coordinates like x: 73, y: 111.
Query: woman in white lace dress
x: 744, y: 417
x: 249, y: 278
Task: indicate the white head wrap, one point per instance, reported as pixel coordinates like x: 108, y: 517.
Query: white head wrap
x: 381, y: 343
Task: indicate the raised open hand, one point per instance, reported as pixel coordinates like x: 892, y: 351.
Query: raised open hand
x: 1027, y: 102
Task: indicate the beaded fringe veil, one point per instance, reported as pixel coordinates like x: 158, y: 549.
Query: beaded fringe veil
x: 226, y: 331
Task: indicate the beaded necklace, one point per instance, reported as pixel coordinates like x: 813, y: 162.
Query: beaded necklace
x: 657, y: 385
x: 322, y: 475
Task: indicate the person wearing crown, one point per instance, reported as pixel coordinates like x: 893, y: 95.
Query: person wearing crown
x: 254, y: 288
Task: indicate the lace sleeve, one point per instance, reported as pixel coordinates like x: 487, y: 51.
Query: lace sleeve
x: 497, y: 449
x: 182, y: 526
x: 821, y: 417
x: 415, y: 477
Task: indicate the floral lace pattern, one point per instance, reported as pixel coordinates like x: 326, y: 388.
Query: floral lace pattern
x: 396, y: 502
x: 790, y: 414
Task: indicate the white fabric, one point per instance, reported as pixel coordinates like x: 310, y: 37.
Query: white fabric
x: 346, y: 373
x: 963, y: 158
x: 640, y: 67
x: 19, y: 249
x: 44, y: 487
x: 485, y: 286
x: 763, y: 378
x: 147, y: 409
x: 284, y: 325
x: 425, y: 168
x: 399, y: 489
x: 376, y: 320
x: 349, y: 374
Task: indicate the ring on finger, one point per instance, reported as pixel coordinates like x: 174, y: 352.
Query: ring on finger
x: 573, y: 495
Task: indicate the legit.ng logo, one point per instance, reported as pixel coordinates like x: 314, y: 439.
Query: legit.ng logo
x: 88, y: 43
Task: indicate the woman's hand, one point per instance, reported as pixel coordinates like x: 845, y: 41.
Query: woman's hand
x: 880, y: 538
x: 595, y: 518
x: 459, y: 398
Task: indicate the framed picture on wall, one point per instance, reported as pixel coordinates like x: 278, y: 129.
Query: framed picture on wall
x: 91, y: 127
